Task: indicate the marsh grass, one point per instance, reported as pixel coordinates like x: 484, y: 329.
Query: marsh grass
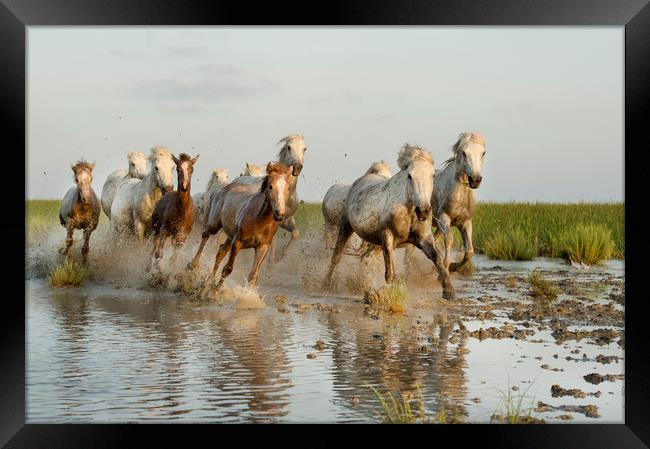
x: 540, y: 287
x: 545, y: 222
x: 587, y: 243
x: 400, y: 411
x: 68, y: 273
x: 511, y: 244
x: 391, y: 298
x: 512, y: 408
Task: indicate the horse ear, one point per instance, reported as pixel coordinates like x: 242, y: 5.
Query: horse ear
x: 92, y: 166
x: 72, y: 167
x: 195, y: 159
x: 176, y: 160
x: 247, y: 165
x: 269, y: 167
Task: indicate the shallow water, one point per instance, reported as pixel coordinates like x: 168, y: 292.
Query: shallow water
x: 99, y: 353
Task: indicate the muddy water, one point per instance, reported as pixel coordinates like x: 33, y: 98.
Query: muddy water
x: 115, y: 351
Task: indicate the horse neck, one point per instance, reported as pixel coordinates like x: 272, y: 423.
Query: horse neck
x: 395, y: 187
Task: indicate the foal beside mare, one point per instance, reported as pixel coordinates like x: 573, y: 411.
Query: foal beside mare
x: 80, y: 208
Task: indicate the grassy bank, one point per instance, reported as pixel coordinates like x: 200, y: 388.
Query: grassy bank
x: 502, y: 230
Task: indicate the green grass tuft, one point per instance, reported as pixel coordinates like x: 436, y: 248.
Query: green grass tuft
x: 540, y: 287
x: 68, y: 273
x: 586, y: 243
x: 390, y: 297
x: 513, y: 244
x: 400, y: 411
x: 513, y: 411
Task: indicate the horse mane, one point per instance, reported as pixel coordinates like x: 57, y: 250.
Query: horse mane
x: 409, y: 153
x: 378, y: 167
x: 271, y: 168
x: 184, y: 157
x: 463, y: 138
x: 82, y: 164
x: 248, y: 172
x: 215, y: 176
x: 159, y: 151
x: 285, y: 141
x: 133, y: 154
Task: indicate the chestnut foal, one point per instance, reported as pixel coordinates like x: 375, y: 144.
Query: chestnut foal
x: 250, y: 217
x: 173, y: 215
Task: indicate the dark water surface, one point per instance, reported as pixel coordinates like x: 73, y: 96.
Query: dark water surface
x: 102, y: 354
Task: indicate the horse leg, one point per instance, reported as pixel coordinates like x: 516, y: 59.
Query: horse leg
x: 205, y: 236
x: 139, y: 231
x: 221, y: 253
x: 466, y: 232
x: 68, y: 239
x: 345, y: 231
x: 86, y: 246
x: 427, y: 245
x: 260, y: 254
x: 156, y: 242
x: 290, y: 225
x: 235, y: 247
x: 408, y: 260
x: 445, y: 227
x: 388, y: 248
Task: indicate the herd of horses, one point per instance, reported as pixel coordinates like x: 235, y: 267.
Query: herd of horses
x: 385, y: 211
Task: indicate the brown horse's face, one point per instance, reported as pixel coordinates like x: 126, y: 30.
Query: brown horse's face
x: 184, y: 169
x: 278, y: 187
x: 83, y: 177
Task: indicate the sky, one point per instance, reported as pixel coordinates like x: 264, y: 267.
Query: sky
x: 548, y: 100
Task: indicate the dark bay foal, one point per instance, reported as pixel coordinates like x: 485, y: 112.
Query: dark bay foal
x: 173, y: 215
x: 80, y: 208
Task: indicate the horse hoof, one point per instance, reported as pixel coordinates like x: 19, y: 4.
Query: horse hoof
x: 449, y: 294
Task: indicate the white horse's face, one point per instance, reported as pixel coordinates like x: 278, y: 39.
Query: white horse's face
x: 295, y: 154
x: 137, y: 165
x: 420, y: 187
x: 163, y: 168
x: 221, y: 176
x: 471, y: 162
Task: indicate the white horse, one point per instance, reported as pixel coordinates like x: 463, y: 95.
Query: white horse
x: 252, y: 170
x: 219, y: 178
x: 137, y: 169
x: 334, y: 202
x: 391, y: 212
x: 136, y: 198
x: 453, y: 202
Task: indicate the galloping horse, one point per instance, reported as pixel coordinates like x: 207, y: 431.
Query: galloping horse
x: 249, y: 217
x: 80, y: 208
x: 334, y: 202
x: 137, y: 169
x: 292, y: 154
x: 136, y: 198
x: 173, y: 215
x: 453, y: 202
x: 219, y: 178
x: 393, y: 212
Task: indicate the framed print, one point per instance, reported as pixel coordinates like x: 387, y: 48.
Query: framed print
x: 404, y: 214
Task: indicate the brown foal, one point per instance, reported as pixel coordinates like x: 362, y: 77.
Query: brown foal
x: 173, y: 215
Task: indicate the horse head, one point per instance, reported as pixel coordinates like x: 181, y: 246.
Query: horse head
x: 417, y: 165
x: 137, y: 165
x: 293, y: 152
x: 470, y: 151
x: 162, y: 167
x: 276, y: 186
x: 83, y: 177
x: 184, y: 169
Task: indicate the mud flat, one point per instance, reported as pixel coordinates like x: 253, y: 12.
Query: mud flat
x: 115, y: 350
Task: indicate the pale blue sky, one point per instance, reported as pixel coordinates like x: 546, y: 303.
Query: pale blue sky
x: 548, y: 100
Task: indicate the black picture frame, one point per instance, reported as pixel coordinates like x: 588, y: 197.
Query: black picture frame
x: 634, y: 15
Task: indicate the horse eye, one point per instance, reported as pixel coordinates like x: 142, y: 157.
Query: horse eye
x: 270, y: 187
x: 410, y: 176
x: 156, y: 168
x: 289, y: 147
